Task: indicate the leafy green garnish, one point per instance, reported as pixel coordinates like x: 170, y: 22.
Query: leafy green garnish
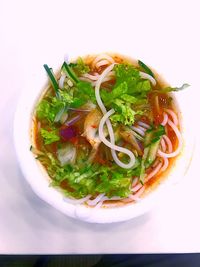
x: 92, y: 179
x: 80, y: 67
x: 129, y: 90
x: 145, y: 68
x: 85, y: 90
x: 125, y: 114
x: 126, y: 73
x: 45, y: 111
x: 68, y: 70
x: 49, y: 136
x: 153, y: 135
x: 52, y: 78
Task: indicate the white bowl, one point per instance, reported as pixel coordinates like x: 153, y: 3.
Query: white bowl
x: 40, y: 184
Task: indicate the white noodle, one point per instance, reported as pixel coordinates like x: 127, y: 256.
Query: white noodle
x: 165, y: 165
x: 139, y: 131
x: 112, y: 145
x: 102, y: 56
x: 135, y: 180
x: 177, y: 151
x: 91, y: 77
x: 143, y: 124
x: 112, y: 198
x: 102, y: 63
x: 173, y: 115
x: 109, y: 125
x: 136, y: 188
x: 163, y: 145
x: 85, y: 79
x: 106, y: 79
x: 97, y: 88
x: 76, y: 201
x: 153, y: 173
x: 165, y: 119
x: 144, y: 75
x: 100, y: 203
x: 169, y: 143
x: 135, y: 197
x: 93, y: 202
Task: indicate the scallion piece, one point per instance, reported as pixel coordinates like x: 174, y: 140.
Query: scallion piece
x: 52, y: 79
x: 70, y: 72
x: 145, y: 68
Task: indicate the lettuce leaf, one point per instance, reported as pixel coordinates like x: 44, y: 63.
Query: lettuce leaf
x: 49, y: 136
x: 80, y: 67
x: 126, y: 73
x: 124, y: 112
x: 92, y: 179
x: 45, y: 112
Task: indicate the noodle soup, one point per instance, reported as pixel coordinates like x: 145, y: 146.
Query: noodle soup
x: 106, y: 130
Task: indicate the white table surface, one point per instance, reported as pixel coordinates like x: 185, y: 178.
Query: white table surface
x: 31, y: 32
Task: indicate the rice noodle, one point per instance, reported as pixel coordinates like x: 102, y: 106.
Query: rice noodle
x: 112, y: 145
x: 93, y: 202
x: 144, y: 75
x: 163, y: 145
x: 108, y: 78
x: 97, y: 88
x: 178, y: 134
x: 136, y: 196
x: 106, y: 120
x: 139, y: 131
x: 102, y: 63
x: 165, y: 165
x: 85, y: 79
x: 153, y: 173
x: 101, y: 57
x: 169, y: 143
x: 76, y: 201
x: 101, y: 199
x: 165, y: 119
x: 136, y: 188
x: 143, y: 124
x: 173, y: 115
x: 134, y: 182
x: 91, y: 77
